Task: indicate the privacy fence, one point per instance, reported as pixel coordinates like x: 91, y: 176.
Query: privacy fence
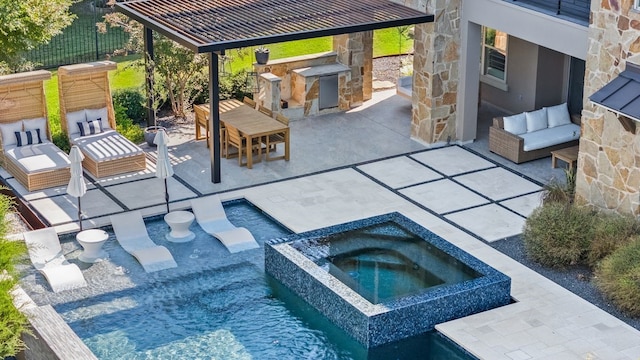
x: 81, y: 41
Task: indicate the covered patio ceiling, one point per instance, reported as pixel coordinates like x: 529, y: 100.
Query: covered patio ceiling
x: 216, y: 25
x: 213, y: 26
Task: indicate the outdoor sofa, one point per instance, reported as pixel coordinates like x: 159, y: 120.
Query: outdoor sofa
x: 533, y: 135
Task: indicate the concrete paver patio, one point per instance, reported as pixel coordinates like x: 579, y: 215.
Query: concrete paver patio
x: 360, y: 164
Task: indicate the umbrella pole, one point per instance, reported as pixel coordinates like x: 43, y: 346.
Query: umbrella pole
x: 166, y: 194
x: 79, y: 213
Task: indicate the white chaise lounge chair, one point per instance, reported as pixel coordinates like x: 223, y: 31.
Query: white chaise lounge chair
x: 132, y: 235
x: 46, y: 255
x: 212, y: 219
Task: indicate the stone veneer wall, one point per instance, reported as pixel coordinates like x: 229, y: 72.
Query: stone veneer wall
x: 355, y: 50
x: 608, y: 174
x: 435, y: 71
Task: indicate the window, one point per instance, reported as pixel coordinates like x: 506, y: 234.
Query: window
x: 636, y: 5
x: 494, y: 54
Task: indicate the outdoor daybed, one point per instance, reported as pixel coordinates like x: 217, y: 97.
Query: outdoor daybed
x: 88, y: 118
x: 533, y: 135
x: 26, y: 150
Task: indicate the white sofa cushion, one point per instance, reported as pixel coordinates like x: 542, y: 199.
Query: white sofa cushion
x: 38, y: 157
x: 102, y: 114
x: 550, y: 136
x: 37, y: 123
x: 107, y: 145
x: 73, y: 118
x: 536, y: 120
x: 515, y: 124
x: 8, y: 132
x: 558, y: 115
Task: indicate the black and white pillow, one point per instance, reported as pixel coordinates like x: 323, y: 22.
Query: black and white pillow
x: 90, y: 127
x: 28, y: 137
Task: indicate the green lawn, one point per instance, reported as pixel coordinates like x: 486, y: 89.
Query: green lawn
x: 385, y: 42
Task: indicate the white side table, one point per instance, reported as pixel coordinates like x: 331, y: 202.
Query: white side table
x: 179, y: 222
x: 92, y: 241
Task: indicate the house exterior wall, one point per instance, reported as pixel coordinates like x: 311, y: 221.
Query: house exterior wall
x: 525, y: 24
x: 608, y: 174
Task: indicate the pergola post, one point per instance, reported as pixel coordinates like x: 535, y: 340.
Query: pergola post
x: 214, y: 118
x: 148, y: 48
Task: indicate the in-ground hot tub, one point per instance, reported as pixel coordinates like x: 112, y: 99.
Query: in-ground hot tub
x: 384, y: 278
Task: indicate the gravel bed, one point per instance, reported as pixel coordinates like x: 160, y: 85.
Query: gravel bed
x: 577, y: 279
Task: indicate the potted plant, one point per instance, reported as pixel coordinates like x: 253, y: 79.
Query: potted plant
x: 262, y: 55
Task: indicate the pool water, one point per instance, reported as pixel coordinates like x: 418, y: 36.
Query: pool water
x: 381, y: 273
x: 215, y: 305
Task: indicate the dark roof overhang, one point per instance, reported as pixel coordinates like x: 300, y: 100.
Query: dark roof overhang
x: 622, y: 94
x: 215, y: 25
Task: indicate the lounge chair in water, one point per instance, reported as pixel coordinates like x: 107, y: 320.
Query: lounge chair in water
x: 47, y: 257
x: 132, y: 235
x: 212, y: 218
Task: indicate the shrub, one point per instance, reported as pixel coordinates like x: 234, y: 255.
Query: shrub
x: 555, y: 191
x: 618, y: 277
x: 558, y: 234
x: 61, y: 140
x: 234, y: 86
x: 134, y: 103
x: 611, y: 231
x: 126, y: 126
x: 13, y: 323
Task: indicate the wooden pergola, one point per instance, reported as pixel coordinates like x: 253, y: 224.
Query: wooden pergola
x: 214, y: 26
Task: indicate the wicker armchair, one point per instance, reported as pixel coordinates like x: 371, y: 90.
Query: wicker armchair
x: 510, y: 146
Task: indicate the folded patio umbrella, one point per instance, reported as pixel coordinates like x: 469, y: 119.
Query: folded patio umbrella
x: 163, y: 165
x: 77, y: 186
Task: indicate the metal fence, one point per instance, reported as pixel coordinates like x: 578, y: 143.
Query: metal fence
x: 80, y: 42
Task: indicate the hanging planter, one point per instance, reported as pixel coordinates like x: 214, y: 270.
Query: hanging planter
x: 262, y: 55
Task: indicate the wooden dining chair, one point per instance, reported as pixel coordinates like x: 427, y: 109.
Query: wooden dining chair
x: 273, y: 140
x: 249, y: 102
x: 265, y: 111
x: 202, y: 120
x: 236, y: 140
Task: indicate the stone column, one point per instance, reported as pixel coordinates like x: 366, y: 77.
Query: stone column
x: 608, y: 174
x: 356, y: 51
x: 435, y: 72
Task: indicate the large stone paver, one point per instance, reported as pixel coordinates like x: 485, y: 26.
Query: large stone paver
x: 497, y: 183
x: 491, y: 222
x: 443, y: 196
x: 399, y: 172
x: 452, y: 160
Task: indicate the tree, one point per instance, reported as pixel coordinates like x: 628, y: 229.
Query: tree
x: 175, y: 66
x: 27, y: 24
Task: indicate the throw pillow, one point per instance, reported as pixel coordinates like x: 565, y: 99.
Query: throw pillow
x: 90, y: 127
x: 73, y: 118
x: 536, y: 120
x: 558, y: 115
x: 8, y: 131
x: 28, y: 137
x: 515, y: 124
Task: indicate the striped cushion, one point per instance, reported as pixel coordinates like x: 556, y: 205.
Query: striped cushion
x: 90, y: 127
x: 28, y: 137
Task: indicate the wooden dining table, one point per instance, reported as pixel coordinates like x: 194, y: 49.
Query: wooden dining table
x: 251, y: 123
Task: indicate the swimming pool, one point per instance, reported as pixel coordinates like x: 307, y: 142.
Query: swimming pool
x: 214, y: 305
